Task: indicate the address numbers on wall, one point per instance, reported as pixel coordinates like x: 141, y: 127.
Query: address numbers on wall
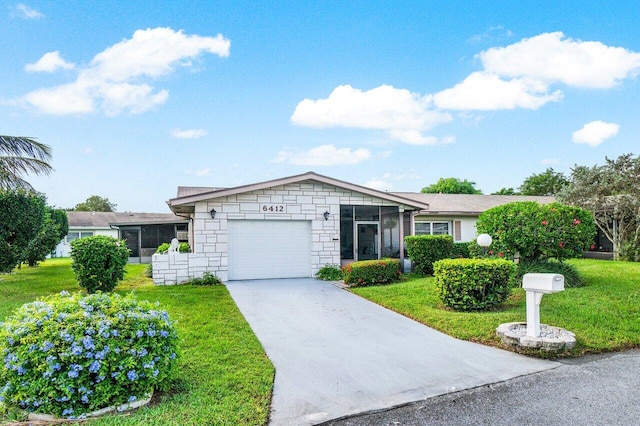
x: 273, y: 208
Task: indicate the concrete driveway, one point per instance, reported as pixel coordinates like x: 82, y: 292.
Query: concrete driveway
x: 337, y: 354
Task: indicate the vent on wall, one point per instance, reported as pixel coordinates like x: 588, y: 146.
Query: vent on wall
x: 182, y: 235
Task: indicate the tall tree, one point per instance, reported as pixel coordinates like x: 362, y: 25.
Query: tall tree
x: 95, y: 203
x: 611, y: 192
x: 22, y: 218
x: 20, y: 156
x: 451, y: 186
x: 54, y: 227
x: 548, y: 182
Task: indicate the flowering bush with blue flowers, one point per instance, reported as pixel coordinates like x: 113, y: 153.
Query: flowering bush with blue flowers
x: 71, y: 354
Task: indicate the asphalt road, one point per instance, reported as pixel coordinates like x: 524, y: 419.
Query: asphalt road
x: 592, y: 390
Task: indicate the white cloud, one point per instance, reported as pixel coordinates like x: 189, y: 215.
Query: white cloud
x: 404, y: 115
x: 49, y: 62
x: 200, y: 172
x: 113, y: 81
x: 26, y: 12
x: 189, y: 133
x: 595, y: 132
x: 386, y: 182
x: 552, y: 57
x: 379, y: 184
x: 486, y: 91
x: 520, y: 75
x: 325, y: 155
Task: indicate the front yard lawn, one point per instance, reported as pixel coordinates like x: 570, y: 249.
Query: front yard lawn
x: 224, y: 374
x: 604, y: 314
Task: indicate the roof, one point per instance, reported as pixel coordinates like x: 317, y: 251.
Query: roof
x: 467, y: 204
x: 185, y: 191
x: 108, y: 219
x: 186, y: 203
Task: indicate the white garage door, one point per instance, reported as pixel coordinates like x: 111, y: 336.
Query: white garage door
x: 269, y: 249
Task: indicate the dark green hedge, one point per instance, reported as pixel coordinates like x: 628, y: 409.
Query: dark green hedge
x: 473, y: 284
x: 424, y: 250
x: 369, y: 272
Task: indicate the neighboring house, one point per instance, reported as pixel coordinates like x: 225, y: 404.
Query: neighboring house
x: 457, y: 214
x: 293, y: 226
x: 144, y: 232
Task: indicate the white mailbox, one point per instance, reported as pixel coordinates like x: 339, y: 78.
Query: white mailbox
x: 536, y: 286
x: 543, y: 283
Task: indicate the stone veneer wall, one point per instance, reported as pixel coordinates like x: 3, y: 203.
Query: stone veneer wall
x: 300, y: 201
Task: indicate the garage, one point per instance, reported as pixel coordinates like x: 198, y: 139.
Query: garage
x: 262, y: 249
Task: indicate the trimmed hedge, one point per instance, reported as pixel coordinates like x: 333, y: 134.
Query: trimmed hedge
x: 461, y: 250
x: 473, y: 284
x: 424, y: 250
x: 369, y: 272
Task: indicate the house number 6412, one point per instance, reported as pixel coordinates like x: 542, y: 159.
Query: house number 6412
x: 273, y: 208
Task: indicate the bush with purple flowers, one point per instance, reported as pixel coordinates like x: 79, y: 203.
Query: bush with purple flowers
x: 71, y: 354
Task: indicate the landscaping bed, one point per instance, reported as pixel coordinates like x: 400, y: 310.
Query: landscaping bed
x: 604, y: 313
x: 224, y: 374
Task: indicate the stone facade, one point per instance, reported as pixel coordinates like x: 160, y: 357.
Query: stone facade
x: 307, y: 200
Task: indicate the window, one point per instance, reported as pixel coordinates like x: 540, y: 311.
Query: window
x: 74, y: 235
x: 432, y: 228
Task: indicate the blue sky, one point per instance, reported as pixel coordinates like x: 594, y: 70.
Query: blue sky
x: 137, y: 98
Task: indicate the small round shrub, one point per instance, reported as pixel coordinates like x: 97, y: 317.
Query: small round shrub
x: 329, y: 273
x: 572, y: 277
x: 71, y: 354
x: 473, y: 284
x: 164, y: 248
x: 99, y: 262
x: 207, y: 279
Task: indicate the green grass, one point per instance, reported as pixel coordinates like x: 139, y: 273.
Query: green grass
x: 604, y: 314
x: 225, y: 377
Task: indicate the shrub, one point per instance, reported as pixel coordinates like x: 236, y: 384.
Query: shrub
x: 164, y: 248
x: 630, y: 252
x: 329, y: 273
x: 424, y: 250
x: 207, y: 279
x: 461, y: 250
x: 368, y: 272
x: 148, y: 271
x: 68, y: 355
x: 473, y: 284
x: 571, y: 276
x: 99, y: 262
x: 538, y: 231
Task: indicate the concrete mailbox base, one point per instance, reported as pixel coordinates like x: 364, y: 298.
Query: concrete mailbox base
x: 552, y: 339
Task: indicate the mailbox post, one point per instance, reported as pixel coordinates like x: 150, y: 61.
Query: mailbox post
x: 536, y: 286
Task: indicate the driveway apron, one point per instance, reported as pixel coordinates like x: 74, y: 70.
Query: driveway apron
x: 337, y: 354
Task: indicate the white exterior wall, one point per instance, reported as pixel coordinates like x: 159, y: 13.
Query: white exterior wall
x: 63, y: 249
x: 299, y: 201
